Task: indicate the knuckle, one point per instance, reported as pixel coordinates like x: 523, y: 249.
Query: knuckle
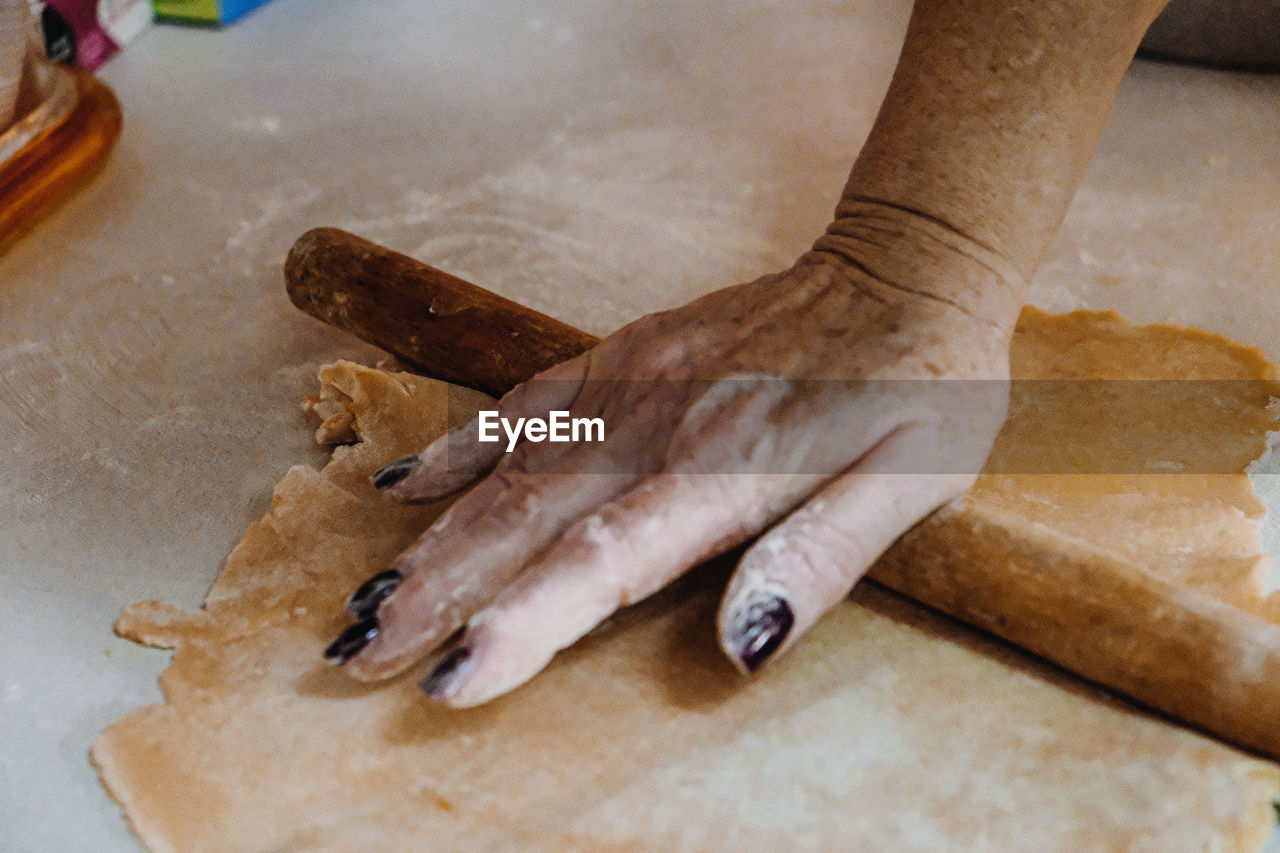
x: 793, y: 557
x: 519, y: 494
x: 589, y: 536
x: 823, y: 552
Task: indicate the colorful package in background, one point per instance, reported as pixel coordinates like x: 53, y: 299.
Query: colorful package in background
x: 204, y: 11
x: 88, y: 32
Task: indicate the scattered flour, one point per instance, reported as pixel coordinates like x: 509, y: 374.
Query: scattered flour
x: 637, y: 218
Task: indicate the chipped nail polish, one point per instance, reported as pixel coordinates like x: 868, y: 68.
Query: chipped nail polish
x: 393, y: 472
x: 452, y: 666
x: 760, y: 630
x: 366, y: 600
x: 351, y: 641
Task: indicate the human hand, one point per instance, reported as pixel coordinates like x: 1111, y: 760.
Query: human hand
x: 823, y: 410
x: 799, y: 408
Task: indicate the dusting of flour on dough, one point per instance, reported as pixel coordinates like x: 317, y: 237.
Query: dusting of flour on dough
x: 1264, y: 474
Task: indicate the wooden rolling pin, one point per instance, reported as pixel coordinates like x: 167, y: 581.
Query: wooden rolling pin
x: 446, y: 327
x: 1182, y: 652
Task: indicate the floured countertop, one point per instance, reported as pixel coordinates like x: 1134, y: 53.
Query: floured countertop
x: 593, y: 160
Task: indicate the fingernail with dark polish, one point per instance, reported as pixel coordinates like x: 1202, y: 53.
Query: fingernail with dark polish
x: 450, y: 669
x: 760, y: 629
x: 366, y: 600
x: 351, y: 641
x: 394, y: 472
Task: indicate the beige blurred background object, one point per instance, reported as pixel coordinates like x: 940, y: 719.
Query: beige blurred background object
x: 13, y: 50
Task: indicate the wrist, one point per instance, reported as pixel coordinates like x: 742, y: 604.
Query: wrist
x: 894, y: 248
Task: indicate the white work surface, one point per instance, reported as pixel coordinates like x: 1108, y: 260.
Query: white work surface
x: 592, y: 159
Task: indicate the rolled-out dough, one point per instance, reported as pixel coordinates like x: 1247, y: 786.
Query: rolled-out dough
x: 889, y: 728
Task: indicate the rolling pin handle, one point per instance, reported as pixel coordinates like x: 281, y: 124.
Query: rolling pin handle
x: 435, y: 322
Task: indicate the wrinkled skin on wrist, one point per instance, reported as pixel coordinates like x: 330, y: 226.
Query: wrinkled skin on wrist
x: 815, y: 411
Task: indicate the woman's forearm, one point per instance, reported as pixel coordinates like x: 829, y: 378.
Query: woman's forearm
x: 988, y: 124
